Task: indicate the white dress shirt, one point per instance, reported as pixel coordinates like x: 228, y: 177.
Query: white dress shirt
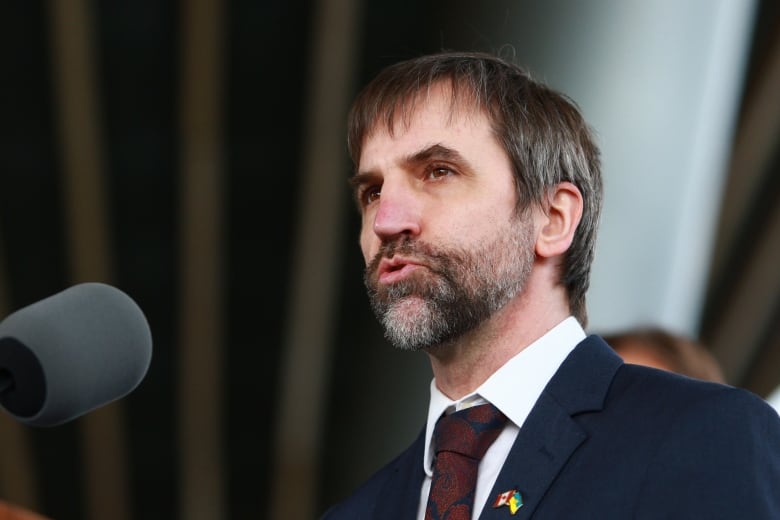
x: 514, y: 389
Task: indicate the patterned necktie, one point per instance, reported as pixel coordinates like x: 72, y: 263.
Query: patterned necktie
x: 460, y: 440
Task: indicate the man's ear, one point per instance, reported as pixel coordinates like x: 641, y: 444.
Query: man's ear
x: 559, y: 221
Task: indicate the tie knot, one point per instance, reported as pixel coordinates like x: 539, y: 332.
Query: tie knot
x: 469, y: 432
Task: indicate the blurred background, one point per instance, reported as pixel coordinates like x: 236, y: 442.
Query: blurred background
x: 192, y: 154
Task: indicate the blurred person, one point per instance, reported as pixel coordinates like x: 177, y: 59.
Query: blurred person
x: 655, y: 347
x: 479, y: 191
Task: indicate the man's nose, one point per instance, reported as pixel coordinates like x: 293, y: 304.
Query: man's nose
x: 398, y: 213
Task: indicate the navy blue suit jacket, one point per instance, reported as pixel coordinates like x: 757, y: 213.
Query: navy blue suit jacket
x: 608, y: 440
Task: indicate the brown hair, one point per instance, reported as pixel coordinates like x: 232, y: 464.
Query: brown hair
x: 674, y: 352
x: 541, y: 130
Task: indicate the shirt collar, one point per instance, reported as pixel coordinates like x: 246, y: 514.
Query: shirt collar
x: 516, y: 386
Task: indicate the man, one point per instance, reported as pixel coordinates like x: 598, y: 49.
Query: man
x: 480, y: 193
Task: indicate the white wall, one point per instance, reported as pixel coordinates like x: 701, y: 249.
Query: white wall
x: 660, y: 82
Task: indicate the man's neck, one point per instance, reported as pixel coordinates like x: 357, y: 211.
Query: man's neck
x: 463, y: 364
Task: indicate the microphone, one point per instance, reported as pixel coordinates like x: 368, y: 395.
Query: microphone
x: 72, y: 352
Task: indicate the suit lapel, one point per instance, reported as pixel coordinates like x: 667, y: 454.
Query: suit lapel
x: 550, y: 435
x: 544, y: 444
x: 400, y: 495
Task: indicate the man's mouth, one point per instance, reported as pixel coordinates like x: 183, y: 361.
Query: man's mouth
x: 393, y: 270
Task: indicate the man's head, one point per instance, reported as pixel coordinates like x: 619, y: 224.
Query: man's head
x: 534, y: 133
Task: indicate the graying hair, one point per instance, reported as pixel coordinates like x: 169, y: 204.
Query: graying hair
x: 542, y: 131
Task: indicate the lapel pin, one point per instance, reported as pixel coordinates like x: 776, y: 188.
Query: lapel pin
x: 512, y: 498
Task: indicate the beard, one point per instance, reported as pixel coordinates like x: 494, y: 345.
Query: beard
x: 457, y: 290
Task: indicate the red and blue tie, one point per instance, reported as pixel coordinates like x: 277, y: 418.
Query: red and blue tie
x: 460, y: 441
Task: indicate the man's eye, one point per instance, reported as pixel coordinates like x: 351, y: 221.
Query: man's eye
x: 370, y: 195
x: 438, y: 172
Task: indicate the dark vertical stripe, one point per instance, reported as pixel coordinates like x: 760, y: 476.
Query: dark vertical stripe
x: 138, y: 53
x: 30, y: 217
x: 81, y: 146
x: 201, y: 383
x: 268, y: 47
x: 313, y: 285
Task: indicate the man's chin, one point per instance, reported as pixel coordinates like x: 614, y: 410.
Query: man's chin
x: 410, y: 306
x: 407, y: 323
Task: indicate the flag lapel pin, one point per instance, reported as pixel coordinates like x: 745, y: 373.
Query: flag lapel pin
x: 512, y: 499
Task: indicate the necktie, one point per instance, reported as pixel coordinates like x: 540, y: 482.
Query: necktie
x: 460, y: 441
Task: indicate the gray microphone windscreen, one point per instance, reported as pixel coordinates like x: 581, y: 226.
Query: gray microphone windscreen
x: 71, y: 353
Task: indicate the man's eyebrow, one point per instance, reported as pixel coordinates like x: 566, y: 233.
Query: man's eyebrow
x: 361, y: 178
x: 434, y: 151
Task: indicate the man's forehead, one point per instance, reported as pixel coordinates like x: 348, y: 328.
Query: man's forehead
x: 439, y: 99
x: 422, y: 135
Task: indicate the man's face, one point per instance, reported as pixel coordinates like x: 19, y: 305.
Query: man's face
x: 443, y: 244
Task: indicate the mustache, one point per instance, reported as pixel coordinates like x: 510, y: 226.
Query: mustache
x: 432, y: 257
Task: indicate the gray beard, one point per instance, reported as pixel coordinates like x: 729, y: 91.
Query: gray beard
x: 456, y: 292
